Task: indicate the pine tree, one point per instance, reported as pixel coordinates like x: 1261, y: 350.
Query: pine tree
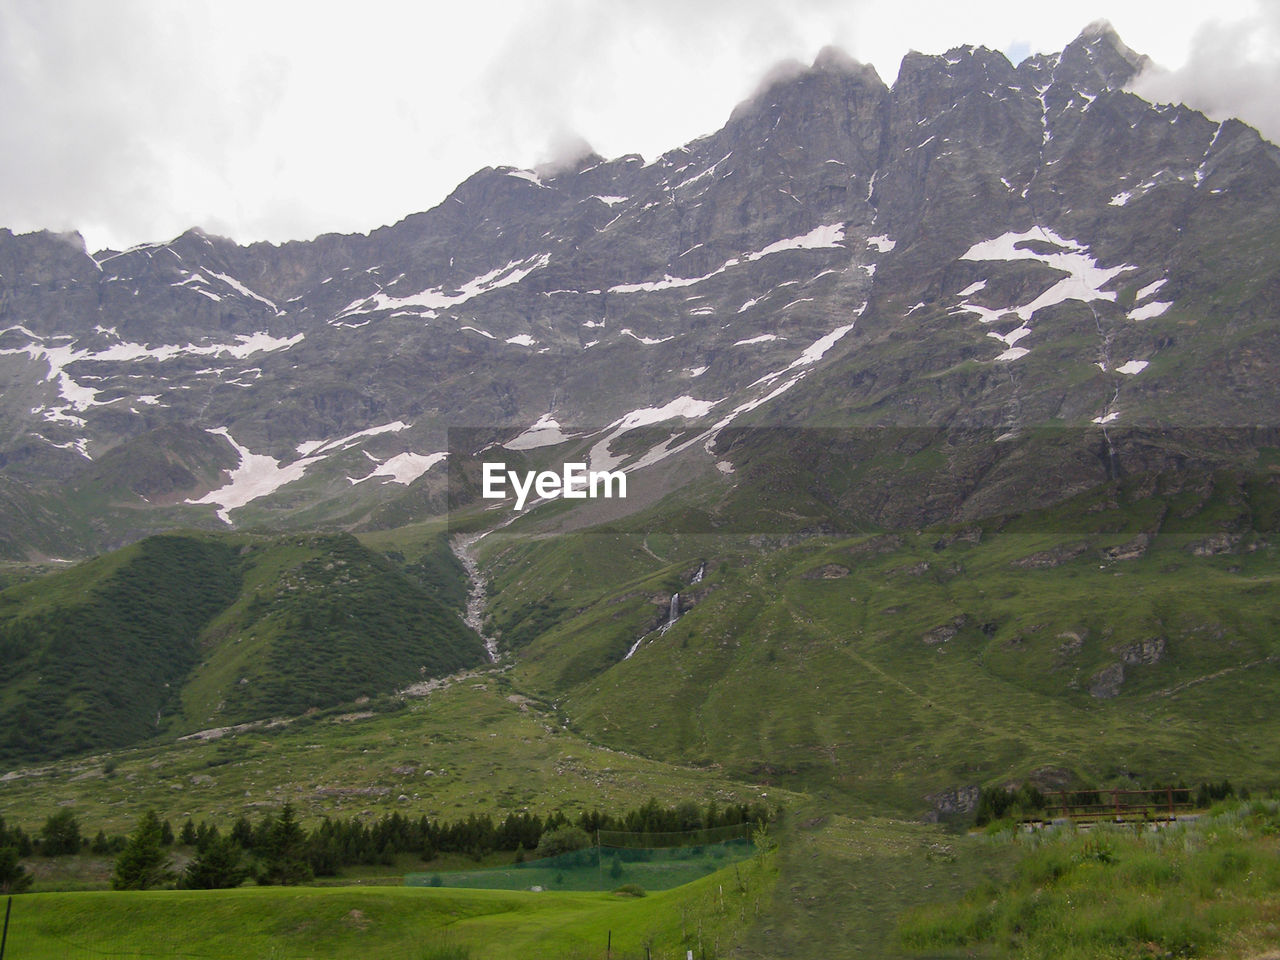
x: 13, y: 875
x: 142, y: 864
x: 284, y: 852
x: 215, y: 867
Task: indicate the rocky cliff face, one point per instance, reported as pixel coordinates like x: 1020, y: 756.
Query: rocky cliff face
x: 982, y: 245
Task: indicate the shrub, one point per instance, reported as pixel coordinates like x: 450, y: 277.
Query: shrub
x: 563, y: 840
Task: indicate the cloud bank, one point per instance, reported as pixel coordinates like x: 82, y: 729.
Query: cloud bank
x: 1233, y: 70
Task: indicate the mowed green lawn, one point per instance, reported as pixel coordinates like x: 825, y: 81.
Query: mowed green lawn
x: 260, y: 923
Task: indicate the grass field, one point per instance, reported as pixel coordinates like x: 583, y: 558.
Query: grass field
x: 389, y: 923
x: 465, y: 748
x: 1207, y: 888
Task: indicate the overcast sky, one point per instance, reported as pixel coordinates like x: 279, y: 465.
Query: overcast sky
x: 132, y: 120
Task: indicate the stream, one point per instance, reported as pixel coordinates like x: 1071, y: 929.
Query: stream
x: 477, y: 596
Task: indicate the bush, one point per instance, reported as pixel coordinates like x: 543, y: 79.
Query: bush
x: 563, y: 840
x: 60, y: 835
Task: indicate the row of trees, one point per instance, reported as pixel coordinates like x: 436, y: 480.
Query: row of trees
x: 279, y: 850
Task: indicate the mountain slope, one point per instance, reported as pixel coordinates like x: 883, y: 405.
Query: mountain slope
x: 181, y: 631
x: 982, y: 244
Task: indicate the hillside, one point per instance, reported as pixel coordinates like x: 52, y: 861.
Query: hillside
x: 181, y: 631
x: 946, y: 411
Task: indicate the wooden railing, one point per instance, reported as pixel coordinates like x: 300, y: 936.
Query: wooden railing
x: 1117, y: 806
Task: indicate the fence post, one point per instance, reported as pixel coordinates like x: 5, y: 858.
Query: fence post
x: 4, y: 937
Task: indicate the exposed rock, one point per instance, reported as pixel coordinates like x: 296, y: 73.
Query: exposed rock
x: 882, y: 544
x: 1217, y: 544
x: 952, y: 802
x: 1132, y: 550
x: 1105, y: 684
x: 1050, y: 778
x: 1142, y: 651
x: 969, y: 535
x: 916, y: 570
x: 1046, y: 559
x: 944, y: 632
x: 831, y: 571
x: 1072, y: 642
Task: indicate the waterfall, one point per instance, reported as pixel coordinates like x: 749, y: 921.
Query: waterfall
x: 673, y: 614
x: 697, y: 577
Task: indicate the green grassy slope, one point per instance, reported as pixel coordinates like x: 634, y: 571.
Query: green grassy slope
x: 474, y: 745
x: 92, y: 656
x: 395, y: 924
x: 1119, y: 635
x: 188, y: 630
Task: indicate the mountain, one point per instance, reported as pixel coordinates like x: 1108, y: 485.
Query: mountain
x: 981, y: 245
x: 947, y: 414
x: 1009, y: 311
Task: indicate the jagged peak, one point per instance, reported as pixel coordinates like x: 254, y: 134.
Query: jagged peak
x: 834, y: 59
x: 830, y: 61
x: 567, y: 153
x: 916, y: 64
x: 1102, y: 32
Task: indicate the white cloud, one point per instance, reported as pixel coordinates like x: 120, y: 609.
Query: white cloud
x: 1232, y: 70
x: 136, y: 119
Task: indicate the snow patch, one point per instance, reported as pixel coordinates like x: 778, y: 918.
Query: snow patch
x: 830, y: 235
x: 256, y: 476
x: 1149, y: 310
x: 1149, y: 289
x: 647, y: 341
x: 527, y: 175
x: 545, y: 432
x: 686, y: 407
x: 437, y: 298
x: 1013, y: 353
x: 1132, y: 367
x: 403, y: 468
x: 1084, y: 280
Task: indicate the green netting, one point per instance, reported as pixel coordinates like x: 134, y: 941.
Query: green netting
x: 680, y: 838
x: 598, y: 868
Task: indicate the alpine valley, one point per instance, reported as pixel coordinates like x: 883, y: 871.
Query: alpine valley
x: 950, y: 415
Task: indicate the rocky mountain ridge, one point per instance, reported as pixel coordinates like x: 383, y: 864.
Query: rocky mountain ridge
x: 979, y: 245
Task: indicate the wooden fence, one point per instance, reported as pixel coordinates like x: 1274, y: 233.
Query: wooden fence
x: 1114, y: 806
